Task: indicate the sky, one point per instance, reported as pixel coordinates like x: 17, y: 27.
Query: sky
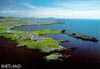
x: 88, y: 9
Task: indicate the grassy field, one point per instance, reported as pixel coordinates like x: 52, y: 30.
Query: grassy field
x: 10, y: 22
x: 47, y: 31
x: 7, y: 23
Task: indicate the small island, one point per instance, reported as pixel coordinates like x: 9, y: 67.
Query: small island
x: 82, y: 37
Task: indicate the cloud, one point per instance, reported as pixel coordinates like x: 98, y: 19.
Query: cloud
x: 62, y: 10
x: 54, y: 12
x: 68, y: 14
x: 29, y: 5
x: 79, y: 5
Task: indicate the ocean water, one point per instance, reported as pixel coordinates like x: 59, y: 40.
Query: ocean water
x: 81, y: 26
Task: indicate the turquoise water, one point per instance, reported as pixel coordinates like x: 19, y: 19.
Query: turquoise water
x: 81, y: 26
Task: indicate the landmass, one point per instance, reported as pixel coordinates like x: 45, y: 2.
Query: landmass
x: 30, y: 39
x: 35, y: 39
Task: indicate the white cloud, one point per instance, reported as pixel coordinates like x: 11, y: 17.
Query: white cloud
x: 29, y: 5
x: 79, y: 5
x: 58, y: 12
x: 54, y: 12
x: 68, y: 14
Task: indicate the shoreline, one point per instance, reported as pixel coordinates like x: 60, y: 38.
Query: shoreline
x: 34, y: 25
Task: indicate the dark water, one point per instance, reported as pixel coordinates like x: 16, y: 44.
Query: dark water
x: 84, y: 27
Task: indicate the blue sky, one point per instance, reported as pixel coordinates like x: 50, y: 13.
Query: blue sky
x: 51, y: 8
